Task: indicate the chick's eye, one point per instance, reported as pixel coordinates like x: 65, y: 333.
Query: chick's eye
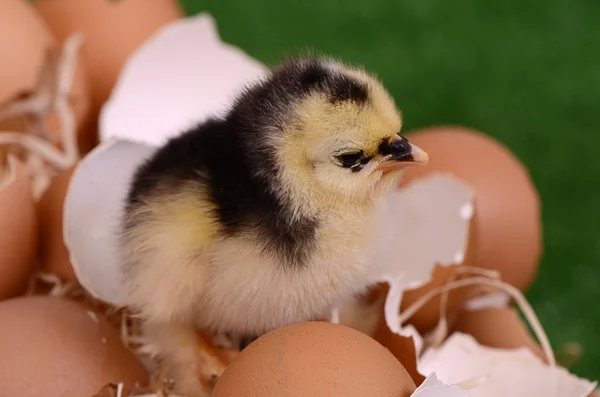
x: 350, y: 159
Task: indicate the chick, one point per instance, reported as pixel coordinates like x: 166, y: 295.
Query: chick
x: 262, y: 217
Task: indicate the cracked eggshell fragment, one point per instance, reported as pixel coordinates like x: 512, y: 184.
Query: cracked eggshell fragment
x: 433, y: 387
x: 446, y: 270
x: 92, y: 213
x: 515, y: 373
x: 181, y: 76
x: 427, y: 223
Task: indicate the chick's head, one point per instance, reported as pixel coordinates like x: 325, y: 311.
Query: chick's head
x: 332, y: 132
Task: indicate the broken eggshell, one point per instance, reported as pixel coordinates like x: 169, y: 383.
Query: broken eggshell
x: 499, y: 372
x: 433, y: 387
x: 428, y: 222
x: 92, y: 212
x: 181, y: 76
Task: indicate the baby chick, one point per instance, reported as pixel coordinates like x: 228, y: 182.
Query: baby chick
x: 263, y: 217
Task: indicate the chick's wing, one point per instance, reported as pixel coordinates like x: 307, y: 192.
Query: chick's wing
x: 166, y: 246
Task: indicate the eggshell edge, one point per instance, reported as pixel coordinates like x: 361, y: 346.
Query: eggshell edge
x: 102, y: 280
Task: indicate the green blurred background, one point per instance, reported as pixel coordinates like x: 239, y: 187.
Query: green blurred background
x: 524, y: 71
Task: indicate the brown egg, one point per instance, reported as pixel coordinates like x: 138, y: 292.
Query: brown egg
x: 507, y: 207
x: 112, y: 29
x: 18, y: 228
x: 55, y: 347
x: 315, y: 359
x: 497, y: 327
x: 25, y: 40
x: 54, y: 256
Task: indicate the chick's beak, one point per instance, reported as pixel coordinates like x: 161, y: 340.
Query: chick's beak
x: 401, y: 153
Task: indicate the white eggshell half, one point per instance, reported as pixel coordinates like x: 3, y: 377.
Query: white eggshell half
x: 180, y: 76
x: 515, y: 373
x: 92, y: 212
x: 433, y: 387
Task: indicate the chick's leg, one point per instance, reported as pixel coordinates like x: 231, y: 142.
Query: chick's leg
x: 176, y: 346
x: 232, y: 341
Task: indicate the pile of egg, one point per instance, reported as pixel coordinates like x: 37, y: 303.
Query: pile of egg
x: 54, y: 344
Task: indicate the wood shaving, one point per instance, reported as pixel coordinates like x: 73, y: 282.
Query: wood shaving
x: 494, y: 283
x: 52, y: 94
x: 119, y: 390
